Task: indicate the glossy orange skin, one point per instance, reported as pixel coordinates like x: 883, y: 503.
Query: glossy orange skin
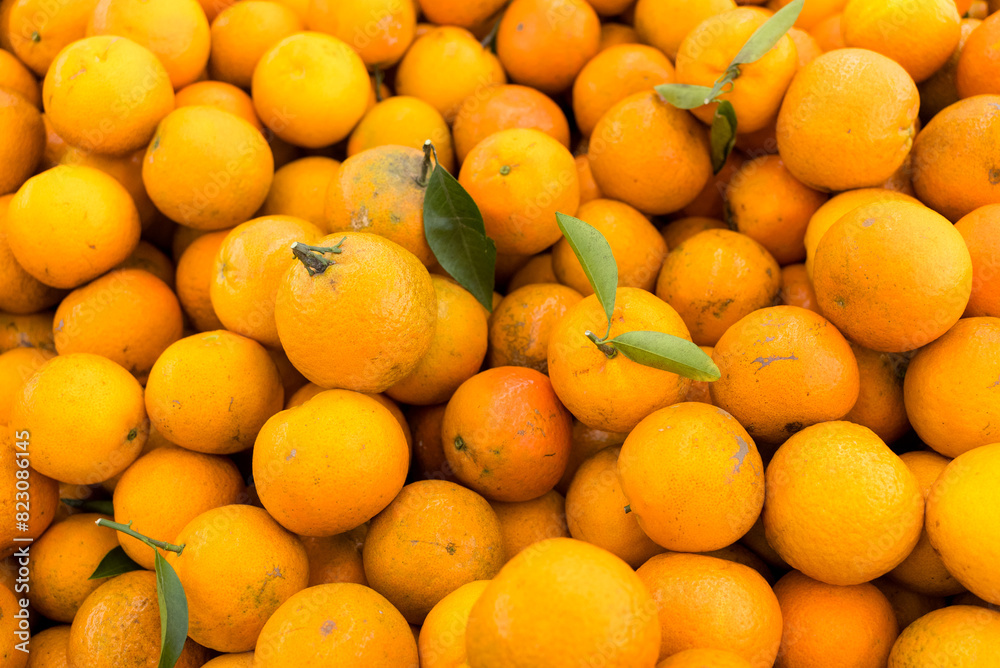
x: 21, y: 154
x: 221, y: 95
x: 978, y: 64
x: 299, y: 189
x: 520, y: 327
x: 506, y: 435
x: 966, y: 634
x: 195, y: 273
x: 379, y: 30
x: 665, y: 23
x: 20, y: 292
x: 36, y: 32
x: 16, y: 366
x: 244, y: 32
x: 796, y: 287
x: 981, y: 231
x: 404, y: 121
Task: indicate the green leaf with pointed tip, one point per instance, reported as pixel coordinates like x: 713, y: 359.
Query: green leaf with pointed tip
x: 455, y: 232
x: 722, y: 134
x: 104, y: 507
x: 668, y: 353
x: 685, y: 96
x: 596, y: 258
x: 115, y: 562
x: 173, y: 612
x: 765, y: 37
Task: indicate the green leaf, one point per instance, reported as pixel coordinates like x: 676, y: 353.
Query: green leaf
x: 596, y: 258
x: 723, y: 134
x: 173, y: 612
x: 667, y: 352
x: 104, y: 507
x: 685, y: 96
x: 455, y: 232
x: 765, y: 37
x: 115, y: 562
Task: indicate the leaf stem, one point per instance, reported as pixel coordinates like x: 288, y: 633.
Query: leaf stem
x: 609, y: 350
x: 127, y: 530
x: 312, y: 258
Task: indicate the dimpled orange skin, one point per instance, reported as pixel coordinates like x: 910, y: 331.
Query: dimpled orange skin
x: 506, y: 435
x: 242, y: 33
x: 342, y: 624
x: 238, y: 566
x: 364, y: 323
x: 379, y: 30
x: 212, y: 392
x: 520, y: 327
x: 650, y: 154
x: 665, y: 23
x: 44, y: 497
x: 404, y: 121
x: 49, y: 647
x: 220, y: 95
x: 442, y: 635
x: 666, y: 454
x: 24, y: 132
x: 715, y: 278
x: 880, y: 400
x: 613, y: 394
x: 115, y: 104
x: 831, y: 96
x: 379, y: 191
x: 862, y: 529
x: 784, y: 368
x: 20, y: 292
x: 903, y: 307
x: 520, y: 178
x: 195, y: 272
x: 968, y: 636
x: 126, y: 169
x: 302, y: 491
x: 36, y: 32
x: 70, y: 224
x: 981, y: 231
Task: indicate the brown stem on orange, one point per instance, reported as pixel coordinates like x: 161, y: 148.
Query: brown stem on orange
x: 312, y: 256
x: 609, y: 350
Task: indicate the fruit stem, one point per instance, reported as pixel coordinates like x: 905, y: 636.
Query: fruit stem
x: 609, y: 350
x: 127, y: 530
x: 428, y: 166
x: 311, y: 256
x: 628, y: 509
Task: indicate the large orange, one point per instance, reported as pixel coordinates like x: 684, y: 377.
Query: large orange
x: 24, y: 143
x: 379, y: 30
x: 967, y: 636
x: 37, y: 31
x: 241, y: 34
x: 665, y: 23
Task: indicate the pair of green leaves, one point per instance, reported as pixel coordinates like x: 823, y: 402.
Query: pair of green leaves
x: 687, y: 96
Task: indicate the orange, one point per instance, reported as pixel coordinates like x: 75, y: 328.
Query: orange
x: 464, y: 13
x: 21, y: 153
x: 680, y: 230
x: 924, y: 290
x: 828, y: 33
x: 665, y: 23
x: 588, y: 186
x: 241, y: 34
x: 829, y: 625
x: 192, y: 392
x: 442, y: 635
x: 710, y: 202
x: 26, y: 331
x: 813, y: 11
x: 524, y: 523
x: 667, y: 456
x: 650, y: 154
x: 213, y: 7
x: 615, y: 34
x: 940, y: 90
x: 840, y: 506
x: 311, y: 89
x: 576, y: 602
x: 637, y: 246
x: 965, y: 635
x: 379, y: 30
x: 299, y: 189
x: 195, y: 273
x: 126, y: 169
x: 715, y: 278
x: 538, y: 269
x: 37, y: 31
x: 772, y: 207
x: 445, y: 66
x: 127, y: 315
x: 796, y: 287
x: 108, y: 428
x: 707, y: 50
x: 167, y: 488
x: 11, y: 625
x: 220, y: 95
x: 880, y: 399
x: 521, y: 326
x: 237, y: 660
x: 364, y: 320
x: 586, y: 442
x: 505, y: 107
x: 44, y: 493
x: 699, y: 390
x: 49, y: 648
x: 816, y: 146
x: 506, y: 435
x: 614, y: 74
x: 20, y: 292
x: 403, y: 121
x: 545, y: 43
x: 335, y: 558
x: 806, y: 46
x: 16, y: 366
x: 248, y: 266
x: 107, y: 94
x: 978, y: 63
x: 708, y: 603
x: 429, y: 462
x: 324, y: 625
x: 207, y: 168
x: 610, y: 7
x: 702, y: 658
x: 907, y: 605
x: 291, y: 379
x: 237, y: 567
x: 15, y: 76
x: 958, y: 146
x: 981, y: 231
x: 432, y: 539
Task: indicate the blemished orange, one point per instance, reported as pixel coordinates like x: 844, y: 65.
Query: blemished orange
x: 665, y: 23
x: 506, y: 435
x: 21, y: 153
x: 20, y: 292
x: 379, y: 30
x: 637, y: 245
x: 613, y: 393
x: 15, y: 76
x: 335, y: 558
x: 16, y: 366
x: 445, y: 66
x: 954, y: 157
x: 127, y: 315
x: 796, y: 287
x: 524, y: 523
x: 36, y: 32
x: 303, y: 630
x: 404, y: 121
x: 880, y: 399
x: 831, y: 96
x: 44, y: 494
x: 923, y: 295
x: 312, y: 499
x: 325, y: 98
x: 207, y: 168
x: 504, y: 107
x: 520, y: 178
x: 614, y: 74
x: 615, y: 34
x: 193, y: 388
x: 221, y: 95
x: 840, y: 506
x: 520, y: 327
x: 979, y: 62
x: 685, y: 447
x: 49, y: 648
x: 968, y: 636
x: 650, y: 154
x: 433, y: 538
x: 981, y: 231
x: 442, y: 635
x: 241, y: 34
x: 715, y: 278
x: 26, y: 331
x: 114, y: 105
x: 538, y: 269
x: 562, y: 34
x: 248, y: 266
x: 680, y: 230
x: 195, y: 273
x: 299, y: 189
x: 772, y: 207
x: 457, y: 350
x: 940, y: 90
x: 707, y: 50
x: 833, y: 626
x: 577, y: 601
x: 360, y: 319
x: 709, y: 603
x: 704, y: 658
x: 238, y: 565
x: 464, y: 13
x: 167, y: 488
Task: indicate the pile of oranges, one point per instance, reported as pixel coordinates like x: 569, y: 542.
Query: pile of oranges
x: 224, y: 331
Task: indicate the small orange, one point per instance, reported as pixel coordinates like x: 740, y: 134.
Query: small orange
x: 429, y: 462
x: 880, y: 399
x: 195, y: 273
x: 524, y: 523
x: 403, y: 121
x: 538, y: 269
x: 907, y: 605
x: 442, y: 635
x: 37, y: 31
x: 966, y: 635
x: 335, y: 558
x: 44, y: 493
x: 521, y: 326
x: 23, y: 147
x: 379, y: 30
x: 464, y: 13
x: 680, y: 230
x: 940, y: 90
x: 16, y: 366
x: 796, y: 287
x: 616, y: 34
x: 981, y: 231
x: 813, y: 11
x: 20, y: 292
x: 710, y: 202
x: 49, y: 648
x: 299, y: 189
x: 665, y: 23
x: 806, y: 46
x: 15, y: 76
x: 586, y: 442
x: 241, y: 34
x: 220, y: 95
